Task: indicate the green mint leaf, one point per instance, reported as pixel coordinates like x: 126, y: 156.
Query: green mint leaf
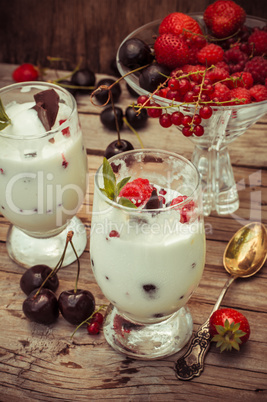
x: 109, y: 180
x: 126, y: 203
x: 121, y: 184
x: 4, y: 119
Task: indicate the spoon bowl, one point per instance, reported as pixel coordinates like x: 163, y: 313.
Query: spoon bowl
x: 244, y: 256
x: 246, y: 251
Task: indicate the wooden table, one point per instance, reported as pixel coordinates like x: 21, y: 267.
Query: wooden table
x: 39, y: 363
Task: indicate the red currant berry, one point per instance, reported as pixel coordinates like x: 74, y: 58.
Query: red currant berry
x: 198, y: 130
x: 196, y: 119
x: 162, y: 92
x: 189, y: 97
x: 205, y: 112
x: 173, y: 84
x: 143, y: 99
x: 186, y: 120
x: 165, y: 120
x: 154, y: 112
x: 187, y: 131
x: 97, y: 317
x: 177, y: 118
x: 173, y: 95
x: 184, y: 86
x: 93, y: 328
x: 196, y: 89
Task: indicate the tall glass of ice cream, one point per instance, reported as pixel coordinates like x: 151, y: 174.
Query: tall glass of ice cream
x: 148, y: 258
x: 43, y: 173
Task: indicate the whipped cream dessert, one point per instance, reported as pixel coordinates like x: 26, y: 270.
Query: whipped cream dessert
x: 43, y: 165
x: 146, y: 262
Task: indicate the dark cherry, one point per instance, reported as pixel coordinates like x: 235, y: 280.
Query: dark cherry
x: 107, y: 117
x: 117, y: 147
x: 35, y: 276
x: 151, y: 77
x: 42, y: 308
x: 102, y: 96
x: 136, y: 120
x: 76, y: 307
x: 135, y: 53
x: 85, y: 78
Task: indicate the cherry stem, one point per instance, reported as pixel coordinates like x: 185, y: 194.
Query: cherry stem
x: 78, y: 269
x: 116, y: 118
x: 134, y: 131
x: 88, y: 319
x: 59, y: 264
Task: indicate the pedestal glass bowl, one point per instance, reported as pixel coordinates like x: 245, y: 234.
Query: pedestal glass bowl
x: 148, y: 262
x: 43, y: 177
x: 210, y: 154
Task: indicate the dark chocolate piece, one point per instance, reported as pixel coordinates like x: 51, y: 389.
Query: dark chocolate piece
x: 154, y: 202
x: 47, y: 107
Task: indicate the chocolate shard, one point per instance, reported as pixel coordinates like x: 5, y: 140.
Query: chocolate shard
x: 47, y: 107
x: 154, y: 201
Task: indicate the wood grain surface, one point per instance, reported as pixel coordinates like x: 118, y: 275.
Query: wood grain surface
x: 40, y: 363
x: 90, y: 30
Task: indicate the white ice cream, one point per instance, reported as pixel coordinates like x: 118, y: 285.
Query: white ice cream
x: 43, y: 180
x: 155, y: 264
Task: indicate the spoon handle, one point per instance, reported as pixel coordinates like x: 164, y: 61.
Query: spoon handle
x: 191, y: 364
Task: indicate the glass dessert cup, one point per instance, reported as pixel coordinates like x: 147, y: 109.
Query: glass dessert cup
x: 43, y: 177
x: 210, y: 155
x: 146, y: 261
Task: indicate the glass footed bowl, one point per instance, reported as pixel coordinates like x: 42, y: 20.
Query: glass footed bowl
x: 210, y: 154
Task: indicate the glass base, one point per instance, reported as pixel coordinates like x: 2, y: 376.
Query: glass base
x: 27, y: 251
x: 217, y: 180
x: 148, y: 341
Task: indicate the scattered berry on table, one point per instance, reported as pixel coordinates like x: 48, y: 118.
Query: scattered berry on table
x: 25, y: 72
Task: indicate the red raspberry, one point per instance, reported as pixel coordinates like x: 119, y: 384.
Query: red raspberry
x: 241, y: 79
x: 258, y: 41
x: 242, y: 95
x: 235, y: 59
x: 185, y: 210
x: 258, y: 93
x: 217, y: 74
x: 210, y: 54
x: 195, y: 72
x: 258, y: 69
x: 25, y: 72
x: 171, y: 50
x: 221, y: 93
x: 222, y: 64
x: 138, y: 191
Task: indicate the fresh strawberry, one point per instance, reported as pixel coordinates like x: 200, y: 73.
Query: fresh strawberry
x: 240, y: 96
x: 258, y: 93
x: 210, y: 54
x: 25, y: 72
x: 171, y: 50
x: 229, y: 328
x: 137, y: 191
x: 224, y: 18
x: 179, y: 23
x: 258, y: 41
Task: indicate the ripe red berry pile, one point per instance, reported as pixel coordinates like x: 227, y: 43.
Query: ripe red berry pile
x: 220, y: 63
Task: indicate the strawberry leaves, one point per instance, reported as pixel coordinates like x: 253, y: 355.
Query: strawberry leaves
x: 112, y: 188
x: 4, y: 119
